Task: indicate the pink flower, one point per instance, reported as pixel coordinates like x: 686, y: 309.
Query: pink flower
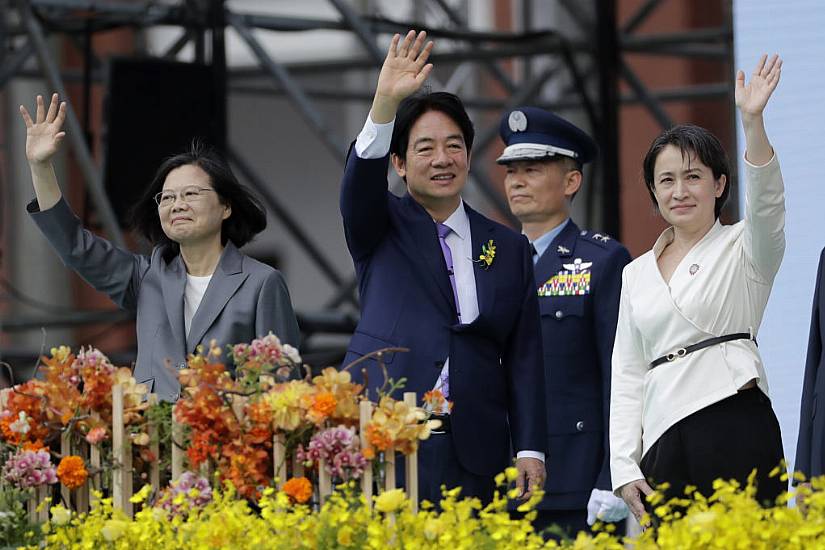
x: 26, y: 469
x: 96, y: 435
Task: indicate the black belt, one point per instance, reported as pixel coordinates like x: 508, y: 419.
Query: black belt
x: 681, y: 352
x: 446, y: 426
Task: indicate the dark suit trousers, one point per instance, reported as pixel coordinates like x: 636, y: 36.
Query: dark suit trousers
x: 724, y: 440
x: 438, y: 465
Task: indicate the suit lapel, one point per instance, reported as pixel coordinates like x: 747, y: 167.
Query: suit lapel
x: 173, y: 285
x: 482, y: 231
x: 225, y: 281
x: 560, y: 250
x: 428, y: 251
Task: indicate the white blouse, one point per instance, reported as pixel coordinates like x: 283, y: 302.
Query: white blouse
x: 720, y: 287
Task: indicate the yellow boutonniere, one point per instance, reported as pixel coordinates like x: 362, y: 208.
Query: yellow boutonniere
x: 488, y: 254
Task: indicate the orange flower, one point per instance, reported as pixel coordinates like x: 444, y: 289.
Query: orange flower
x: 299, y: 489
x: 378, y: 438
x: 72, y: 471
x: 369, y: 453
x: 34, y: 446
x: 323, y: 406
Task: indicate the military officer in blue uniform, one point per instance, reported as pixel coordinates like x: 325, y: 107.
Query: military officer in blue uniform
x: 578, y: 276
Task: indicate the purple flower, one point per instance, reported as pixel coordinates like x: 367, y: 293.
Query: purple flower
x: 340, y: 449
x: 192, y: 499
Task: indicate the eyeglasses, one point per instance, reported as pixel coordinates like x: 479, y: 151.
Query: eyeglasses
x: 189, y: 195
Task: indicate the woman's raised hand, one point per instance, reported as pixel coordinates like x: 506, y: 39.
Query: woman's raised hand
x: 404, y: 71
x: 44, y: 134
x: 752, y: 97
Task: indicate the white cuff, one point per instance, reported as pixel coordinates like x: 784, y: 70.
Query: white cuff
x: 530, y: 454
x: 374, y: 140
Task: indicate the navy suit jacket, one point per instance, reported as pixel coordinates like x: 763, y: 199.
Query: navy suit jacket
x: 578, y: 333
x: 496, y: 372
x: 810, y: 446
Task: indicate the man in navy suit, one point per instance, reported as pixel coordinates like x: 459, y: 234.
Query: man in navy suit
x: 810, y: 446
x: 578, y: 278
x: 438, y: 278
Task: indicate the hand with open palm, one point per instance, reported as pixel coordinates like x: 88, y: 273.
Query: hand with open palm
x: 752, y: 97
x: 403, y: 73
x: 44, y: 134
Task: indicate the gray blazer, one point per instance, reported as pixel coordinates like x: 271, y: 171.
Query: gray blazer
x: 245, y: 299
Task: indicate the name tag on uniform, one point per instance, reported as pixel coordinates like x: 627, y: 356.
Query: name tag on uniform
x: 573, y: 280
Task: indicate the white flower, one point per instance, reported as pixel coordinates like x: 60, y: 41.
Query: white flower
x: 292, y: 354
x: 60, y: 515
x: 21, y: 425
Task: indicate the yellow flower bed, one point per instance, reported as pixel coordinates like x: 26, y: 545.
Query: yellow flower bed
x: 730, y: 518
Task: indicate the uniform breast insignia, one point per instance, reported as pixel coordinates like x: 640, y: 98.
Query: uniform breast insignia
x: 573, y: 280
x: 600, y: 237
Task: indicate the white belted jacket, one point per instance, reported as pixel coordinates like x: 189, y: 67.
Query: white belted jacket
x: 721, y: 287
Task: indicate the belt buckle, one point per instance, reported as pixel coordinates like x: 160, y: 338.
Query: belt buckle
x: 681, y: 352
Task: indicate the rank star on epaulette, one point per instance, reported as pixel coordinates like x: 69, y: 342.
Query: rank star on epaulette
x: 600, y: 237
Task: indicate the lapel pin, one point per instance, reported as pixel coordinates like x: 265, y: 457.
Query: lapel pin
x: 563, y: 250
x: 693, y: 269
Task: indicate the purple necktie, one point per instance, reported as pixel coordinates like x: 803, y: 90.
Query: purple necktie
x: 443, y: 231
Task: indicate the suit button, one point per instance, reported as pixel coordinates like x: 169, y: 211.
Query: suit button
x: 579, y: 425
x: 181, y: 365
x: 559, y: 314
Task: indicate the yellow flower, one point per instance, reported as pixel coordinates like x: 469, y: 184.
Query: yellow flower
x: 60, y: 515
x: 344, y: 537
x: 113, y: 529
x: 390, y: 501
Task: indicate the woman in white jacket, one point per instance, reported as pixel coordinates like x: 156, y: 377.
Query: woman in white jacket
x: 689, y: 394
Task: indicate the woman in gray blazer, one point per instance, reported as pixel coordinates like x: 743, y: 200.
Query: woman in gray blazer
x: 196, y: 285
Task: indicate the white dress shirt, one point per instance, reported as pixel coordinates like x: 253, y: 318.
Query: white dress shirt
x: 374, y: 142
x: 720, y: 287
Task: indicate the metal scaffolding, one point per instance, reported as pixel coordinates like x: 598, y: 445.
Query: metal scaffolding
x: 588, y: 58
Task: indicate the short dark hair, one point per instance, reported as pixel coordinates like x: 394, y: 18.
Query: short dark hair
x: 413, y: 107
x: 248, y: 217
x: 691, y: 139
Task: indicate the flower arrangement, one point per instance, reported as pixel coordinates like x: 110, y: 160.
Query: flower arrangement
x: 69, y: 399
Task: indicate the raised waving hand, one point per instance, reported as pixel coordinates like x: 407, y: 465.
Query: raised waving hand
x: 403, y: 73
x: 45, y: 132
x: 751, y: 99
x: 43, y: 137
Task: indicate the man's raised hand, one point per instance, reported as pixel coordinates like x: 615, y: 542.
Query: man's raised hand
x: 403, y: 73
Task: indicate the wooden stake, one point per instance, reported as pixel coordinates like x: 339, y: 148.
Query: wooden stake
x: 366, y: 477
x: 324, y: 481
x: 177, y: 452
x: 66, y: 450
x: 94, y: 459
x: 389, y: 469
x: 411, y: 464
x: 279, y: 458
x: 122, y: 454
x: 154, y: 448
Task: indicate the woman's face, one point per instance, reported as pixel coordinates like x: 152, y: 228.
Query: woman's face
x: 685, y: 189
x: 189, y: 208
